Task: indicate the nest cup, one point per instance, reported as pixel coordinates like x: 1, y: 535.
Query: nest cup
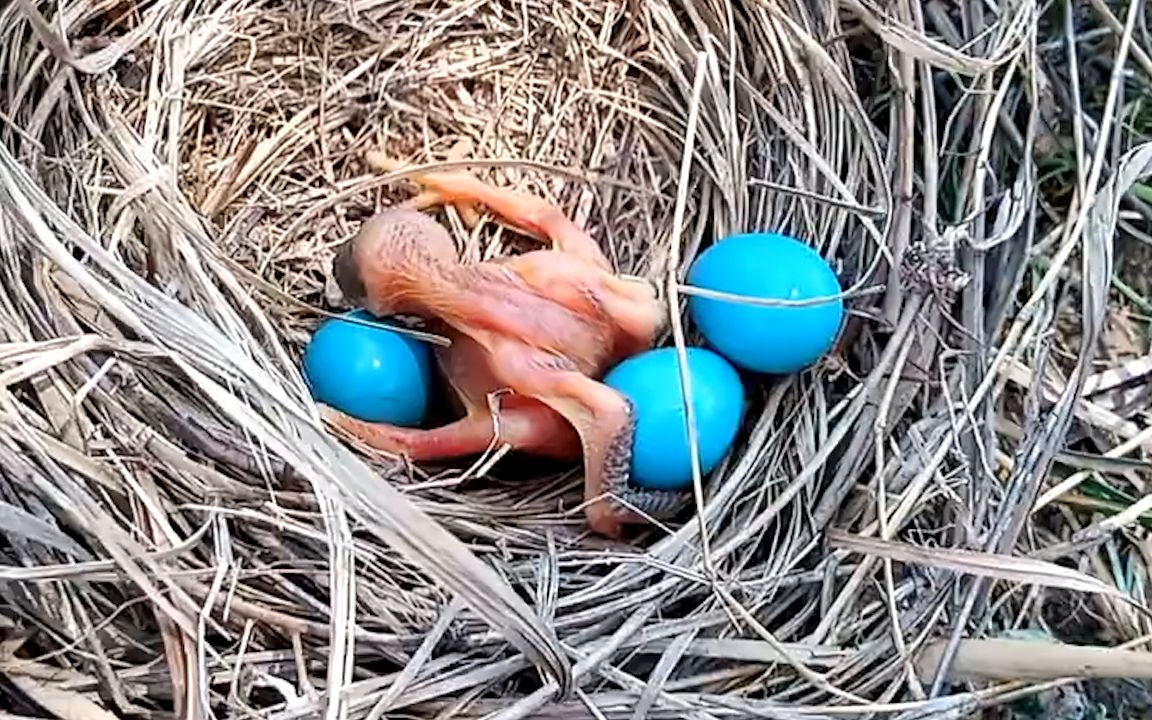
x: 204, y: 169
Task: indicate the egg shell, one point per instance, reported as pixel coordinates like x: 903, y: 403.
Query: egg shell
x: 369, y: 371
x: 661, y: 453
x: 775, y: 340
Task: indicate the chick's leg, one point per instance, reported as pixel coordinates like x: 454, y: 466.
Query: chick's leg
x: 470, y: 435
x: 605, y: 422
x: 535, y: 429
x: 527, y: 213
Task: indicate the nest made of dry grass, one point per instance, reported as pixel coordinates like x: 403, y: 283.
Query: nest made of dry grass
x: 184, y: 537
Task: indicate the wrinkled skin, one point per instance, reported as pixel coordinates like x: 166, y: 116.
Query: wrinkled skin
x: 533, y: 331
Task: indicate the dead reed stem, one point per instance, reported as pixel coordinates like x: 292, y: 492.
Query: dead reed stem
x: 185, y: 537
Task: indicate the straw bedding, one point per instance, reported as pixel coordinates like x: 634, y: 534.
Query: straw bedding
x: 184, y: 537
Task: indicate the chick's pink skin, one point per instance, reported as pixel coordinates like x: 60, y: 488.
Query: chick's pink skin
x: 538, y: 329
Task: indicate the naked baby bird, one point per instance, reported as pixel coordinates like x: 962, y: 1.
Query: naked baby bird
x: 537, y: 330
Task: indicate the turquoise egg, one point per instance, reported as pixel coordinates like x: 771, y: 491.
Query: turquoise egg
x: 369, y: 371
x: 776, y: 340
x: 661, y: 454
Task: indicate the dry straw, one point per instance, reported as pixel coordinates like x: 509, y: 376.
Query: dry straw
x: 183, y: 536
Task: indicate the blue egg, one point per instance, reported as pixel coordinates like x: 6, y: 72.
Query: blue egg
x: 661, y: 454
x: 779, y: 339
x: 370, y: 371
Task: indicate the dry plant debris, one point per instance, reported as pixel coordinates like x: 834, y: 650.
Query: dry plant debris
x: 182, y: 538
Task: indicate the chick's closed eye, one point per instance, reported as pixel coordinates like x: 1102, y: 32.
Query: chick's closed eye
x: 347, y: 274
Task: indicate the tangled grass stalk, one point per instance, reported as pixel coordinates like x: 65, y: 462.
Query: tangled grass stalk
x: 183, y: 536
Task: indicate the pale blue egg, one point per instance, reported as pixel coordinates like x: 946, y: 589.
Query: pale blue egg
x: 369, y: 371
x: 661, y: 453
x: 780, y: 339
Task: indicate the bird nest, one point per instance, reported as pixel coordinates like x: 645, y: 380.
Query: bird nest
x: 184, y: 535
